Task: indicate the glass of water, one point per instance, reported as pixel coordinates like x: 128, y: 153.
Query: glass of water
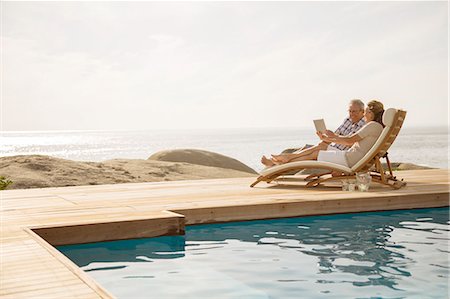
x: 348, y: 185
x: 345, y: 185
x: 351, y: 185
x: 363, y: 180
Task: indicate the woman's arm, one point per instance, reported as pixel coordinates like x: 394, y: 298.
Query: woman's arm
x: 330, y: 136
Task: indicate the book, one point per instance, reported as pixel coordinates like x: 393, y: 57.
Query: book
x: 320, y: 125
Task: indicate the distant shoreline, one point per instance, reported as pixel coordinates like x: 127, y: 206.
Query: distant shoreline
x: 307, y: 127
x: 424, y: 146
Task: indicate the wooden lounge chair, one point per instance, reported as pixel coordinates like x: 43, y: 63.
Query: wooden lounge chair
x: 392, y: 119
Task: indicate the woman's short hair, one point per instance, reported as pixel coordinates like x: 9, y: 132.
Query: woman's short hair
x: 377, y: 108
x: 358, y: 103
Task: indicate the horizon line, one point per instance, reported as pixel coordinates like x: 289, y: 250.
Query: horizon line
x: 188, y: 129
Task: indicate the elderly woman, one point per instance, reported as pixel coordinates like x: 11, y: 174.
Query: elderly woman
x: 360, y: 142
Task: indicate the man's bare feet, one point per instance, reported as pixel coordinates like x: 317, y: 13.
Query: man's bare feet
x: 267, y: 162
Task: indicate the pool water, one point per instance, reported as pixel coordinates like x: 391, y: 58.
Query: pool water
x: 396, y: 254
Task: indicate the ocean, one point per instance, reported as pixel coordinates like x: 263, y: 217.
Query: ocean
x: 422, y: 146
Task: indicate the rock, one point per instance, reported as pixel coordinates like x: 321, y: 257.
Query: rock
x: 37, y: 171
x: 290, y: 150
x: 201, y: 157
x: 406, y: 166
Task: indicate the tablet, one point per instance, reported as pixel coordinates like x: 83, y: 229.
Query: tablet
x: 320, y: 125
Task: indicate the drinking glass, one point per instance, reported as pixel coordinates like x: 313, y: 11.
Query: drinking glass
x: 345, y: 185
x: 351, y: 185
x: 363, y: 180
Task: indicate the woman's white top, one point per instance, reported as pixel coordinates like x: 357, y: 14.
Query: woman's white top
x: 369, y: 134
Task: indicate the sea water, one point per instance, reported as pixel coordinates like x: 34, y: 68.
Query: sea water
x: 394, y: 254
x: 423, y: 146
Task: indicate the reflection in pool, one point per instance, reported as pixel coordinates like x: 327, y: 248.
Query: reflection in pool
x: 396, y: 254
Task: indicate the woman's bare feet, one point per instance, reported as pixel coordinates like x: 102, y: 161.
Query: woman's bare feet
x: 283, y: 158
x: 275, y: 157
x: 267, y: 162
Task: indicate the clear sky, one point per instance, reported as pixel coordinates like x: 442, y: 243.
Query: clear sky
x: 158, y: 65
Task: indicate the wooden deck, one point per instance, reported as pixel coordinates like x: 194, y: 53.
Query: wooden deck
x: 31, y: 219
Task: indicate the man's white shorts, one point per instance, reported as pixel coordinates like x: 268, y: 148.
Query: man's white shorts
x: 333, y: 155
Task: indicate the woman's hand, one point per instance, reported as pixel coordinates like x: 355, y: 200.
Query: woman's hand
x: 325, y: 137
x: 330, y: 134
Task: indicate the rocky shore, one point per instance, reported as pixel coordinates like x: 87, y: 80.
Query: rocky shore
x: 38, y: 171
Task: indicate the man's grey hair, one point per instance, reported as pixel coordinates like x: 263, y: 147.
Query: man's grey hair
x: 357, y: 102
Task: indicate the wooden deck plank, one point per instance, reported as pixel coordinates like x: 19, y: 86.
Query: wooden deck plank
x: 31, y: 268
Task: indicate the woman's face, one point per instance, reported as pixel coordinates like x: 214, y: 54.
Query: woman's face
x: 368, y: 115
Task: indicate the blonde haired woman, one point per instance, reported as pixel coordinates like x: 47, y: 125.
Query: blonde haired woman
x: 360, y: 142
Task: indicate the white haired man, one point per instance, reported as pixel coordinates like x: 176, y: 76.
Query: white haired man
x: 351, y: 124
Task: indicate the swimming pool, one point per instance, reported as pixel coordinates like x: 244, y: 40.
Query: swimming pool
x: 394, y: 254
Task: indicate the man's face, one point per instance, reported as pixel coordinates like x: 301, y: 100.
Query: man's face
x: 355, y: 113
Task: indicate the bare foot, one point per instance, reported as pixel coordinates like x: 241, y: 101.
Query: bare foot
x: 280, y: 159
x: 267, y: 162
x: 275, y: 157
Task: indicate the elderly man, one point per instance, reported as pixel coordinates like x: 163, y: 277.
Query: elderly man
x: 351, y: 124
